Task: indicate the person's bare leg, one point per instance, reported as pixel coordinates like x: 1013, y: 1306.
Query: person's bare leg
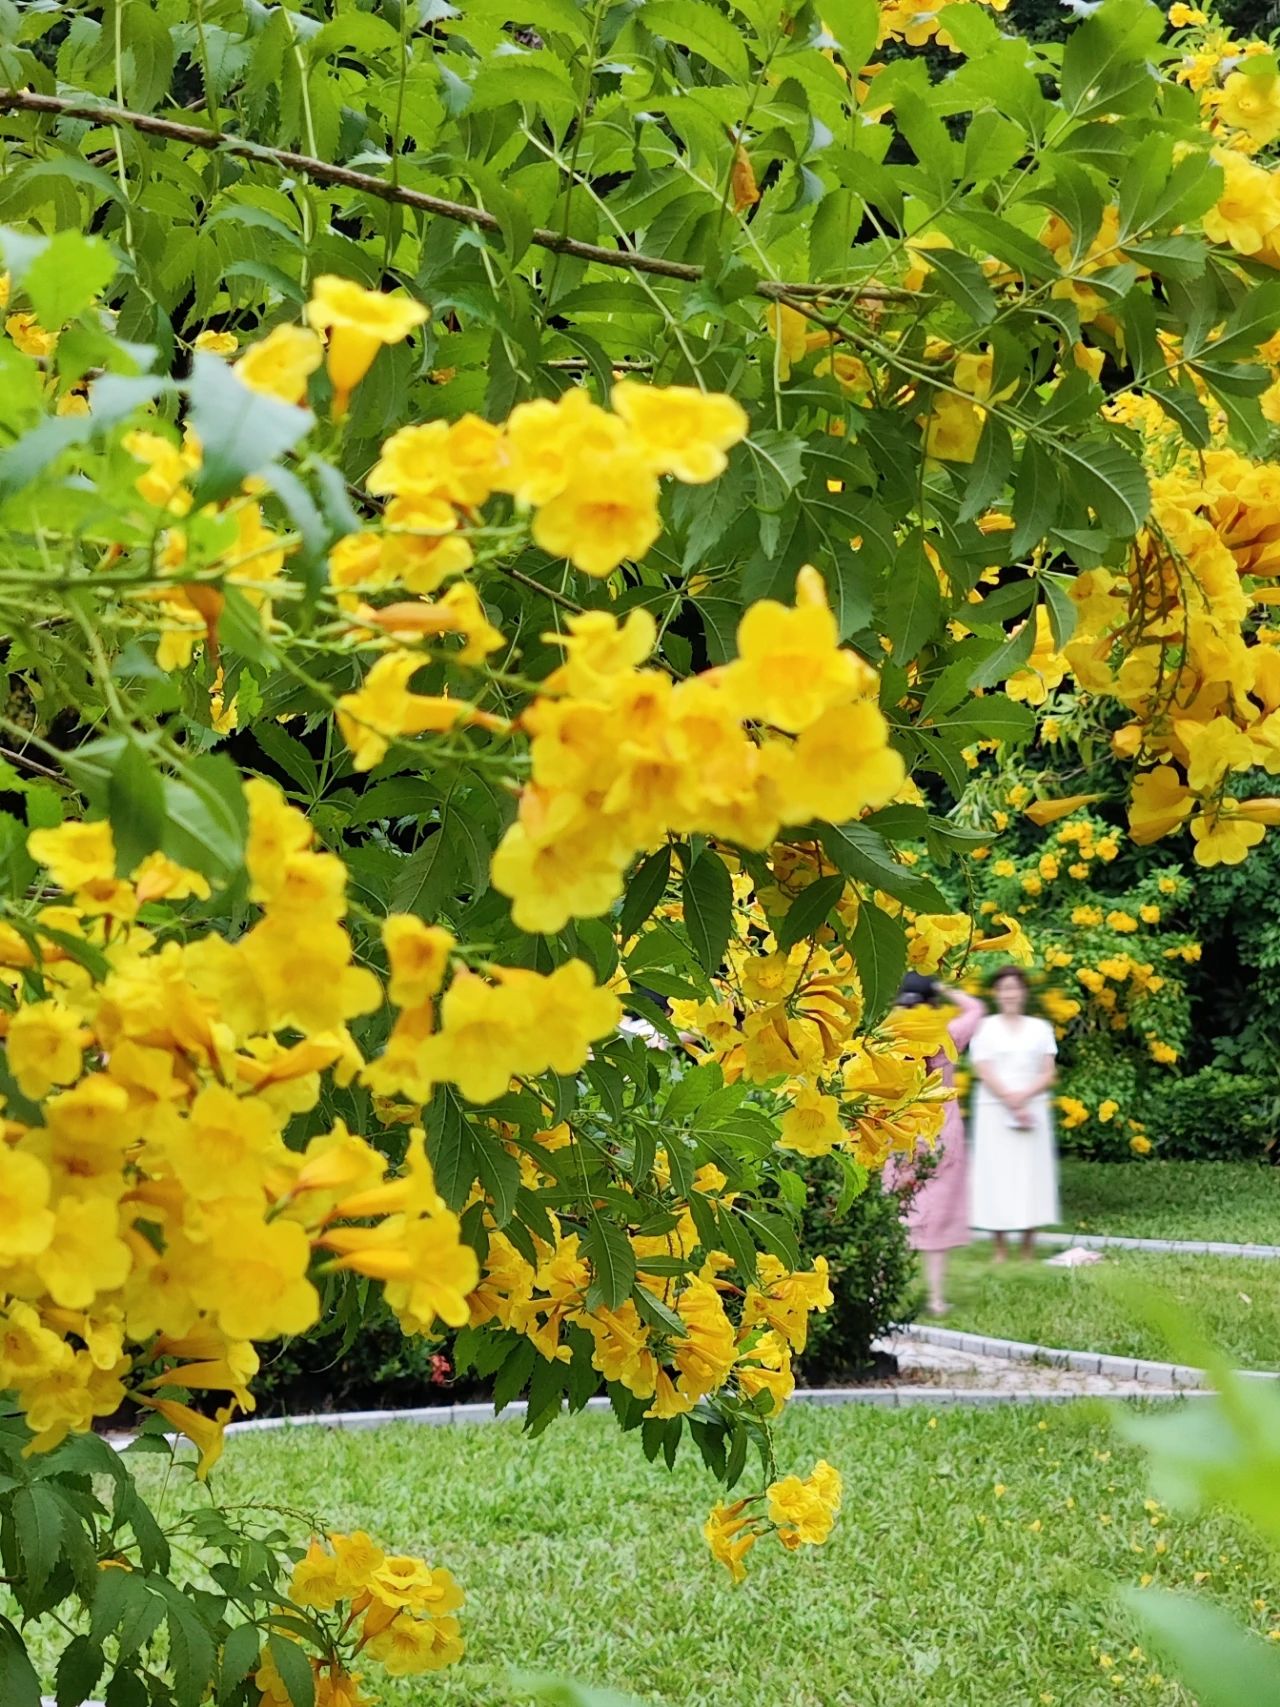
x: 998, y: 1252
x: 1029, y: 1245
x: 935, y: 1271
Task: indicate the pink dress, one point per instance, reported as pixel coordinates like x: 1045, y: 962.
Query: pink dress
x: 938, y: 1215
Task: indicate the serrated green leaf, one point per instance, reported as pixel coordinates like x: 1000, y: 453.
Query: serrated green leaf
x: 135, y: 806
x: 645, y: 889
x: 808, y: 911
x: 66, y: 276
x: 295, y: 1670
x: 702, y: 29
x: 37, y: 1522
x: 880, y: 953
x: 79, y: 1668
x: 613, y: 1263
x: 19, y: 1685
x: 708, y: 908
x: 240, y: 431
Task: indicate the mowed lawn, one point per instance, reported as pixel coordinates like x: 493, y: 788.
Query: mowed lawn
x: 1236, y: 1300
x: 973, y: 1567
x: 1237, y: 1202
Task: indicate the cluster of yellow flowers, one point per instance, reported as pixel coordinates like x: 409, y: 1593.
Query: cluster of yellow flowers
x: 150, y: 1200
x: 801, y: 1513
x: 1172, y: 637
x: 1236, y: 80
x: 390, y: 1608
x: 692, y: 1347
x: 622, y: 755
x: 791, y: 1019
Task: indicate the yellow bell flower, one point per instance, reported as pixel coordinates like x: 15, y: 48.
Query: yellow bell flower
x: 359, y: 322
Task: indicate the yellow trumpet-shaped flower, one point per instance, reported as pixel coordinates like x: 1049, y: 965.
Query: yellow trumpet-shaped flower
x: 359, y: 322
x: 206, y: 1433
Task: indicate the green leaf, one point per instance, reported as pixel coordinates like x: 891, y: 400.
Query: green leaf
x: 1182, y: 406
x: 1007, y: 242
x: 964, y: 281
x: 912, y: 601
x: 880, y: 950
x: 240, y: 1654
x: 1253, y: 322
x: 295, y: 1670
x: 19, y: 1685
x: 537, y: 79
x: 451, y: 1149
x: 701, y: 28
x: 994, y: 716
x: 1036, y: 491
x: 290, y: 755
x: 37, y: 1522
x: 241, y: 431
x: 207, y: 815
x: 135, y: 806
x: 733, y: 1238
x: 146, y: 63
x: 23, y: 463
x: 1009, y: 659
x: 863, y: 854
x: 613, y: 1263
x: 808, y: 911
x: 778, y: 457
x: 655, y: 1312
x: 708, y: 908
x: 1104, y: 64
x: 853, y: 1183
x: 79, y: 1668
x: 122, y: 1601
x: 1062, y: 612
x: 499, y: 1175
x: 127, y: 1689
x: 855, y: 24
x: 988, y: 471
x: 67, y: 275
x: 425, y: 879
x: 1110, y: 480
x: 1223, y: 1664
x: 773, y: 1233
x: 644, y: 891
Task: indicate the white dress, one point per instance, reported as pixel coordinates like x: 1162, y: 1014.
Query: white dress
x: 1013, y: 1174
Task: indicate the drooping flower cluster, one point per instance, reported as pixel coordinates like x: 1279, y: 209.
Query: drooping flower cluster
x: 792, y: 1020
x: 800, y: 1512
x: 390, y: 1608
x: 686, y: 1345
x: 622, y: 755
x: 156, y: 1222
x: 1175, y: 639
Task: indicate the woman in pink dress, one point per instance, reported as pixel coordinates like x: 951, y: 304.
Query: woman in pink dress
x: 937, y: 1210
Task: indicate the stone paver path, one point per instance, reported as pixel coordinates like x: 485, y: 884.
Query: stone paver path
x: 921, y: 1362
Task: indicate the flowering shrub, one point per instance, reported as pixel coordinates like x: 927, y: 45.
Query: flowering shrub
x: 440, y: 627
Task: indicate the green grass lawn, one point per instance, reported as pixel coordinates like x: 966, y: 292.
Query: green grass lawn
x: 973, y: 1566
x: 1237, y: 1301
x: 1235, y: 1201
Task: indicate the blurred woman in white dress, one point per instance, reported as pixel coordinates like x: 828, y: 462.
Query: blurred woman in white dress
x: 1013, y: 1169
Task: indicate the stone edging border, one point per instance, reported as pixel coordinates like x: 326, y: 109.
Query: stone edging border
x: 1176, y: 1247
x: 1179, y: 1376
x: 889, y: 1398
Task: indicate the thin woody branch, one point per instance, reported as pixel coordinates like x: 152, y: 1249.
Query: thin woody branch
x: 285, y: 160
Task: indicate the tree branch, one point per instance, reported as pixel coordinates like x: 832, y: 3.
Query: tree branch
x: 285, y: 160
